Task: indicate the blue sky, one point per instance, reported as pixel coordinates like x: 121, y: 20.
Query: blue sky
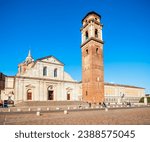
x: 49, y: 27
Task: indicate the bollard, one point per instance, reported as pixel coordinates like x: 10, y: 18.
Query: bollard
x: 48, y: 109
x: 57, y: 108
x: 9, y: 110
x: 65, y: 112
x: 68, y: 108
x: 38, y: 109
x: 18, y: 109
x: 75, y: 108
x: 38, y: 113
x: 106, y: 109
x: 86, y: 107
x: 29, y: 109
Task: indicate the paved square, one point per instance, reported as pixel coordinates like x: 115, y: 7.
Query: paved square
x: 136, y: 116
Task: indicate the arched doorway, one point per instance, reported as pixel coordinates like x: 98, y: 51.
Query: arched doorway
x: 50, y: 93
x: 29, y: 94
x: 68, y: 93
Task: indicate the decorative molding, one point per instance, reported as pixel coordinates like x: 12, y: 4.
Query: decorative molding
x: 30, y: 86
x: 45, y: 79
x: 92, y: 38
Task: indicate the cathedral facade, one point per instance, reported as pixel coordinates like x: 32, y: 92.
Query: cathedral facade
x: 44, y: 79
x: 41, y: 80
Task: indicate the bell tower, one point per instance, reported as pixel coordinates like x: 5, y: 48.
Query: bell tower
x: 92, y: 59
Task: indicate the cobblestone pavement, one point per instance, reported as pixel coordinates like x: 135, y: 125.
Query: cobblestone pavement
x: 133, y: 116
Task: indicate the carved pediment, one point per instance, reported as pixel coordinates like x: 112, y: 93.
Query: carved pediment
x: 30, y: 86
x: 68, y: 89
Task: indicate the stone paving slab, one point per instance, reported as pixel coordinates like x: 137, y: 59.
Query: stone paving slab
x: 136, y: 116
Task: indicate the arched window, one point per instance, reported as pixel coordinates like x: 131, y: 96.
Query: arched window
x: 96, y: 33
x: 50, y: 93
x: 87, y: 51
x: 86, y: 93
x: 55, y: 72
x: 29, y: 94
x: 45, y: 71
x: 96, y: 50
x: 86, y: 35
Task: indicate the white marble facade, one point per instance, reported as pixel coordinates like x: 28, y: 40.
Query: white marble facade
x: 41, y: 80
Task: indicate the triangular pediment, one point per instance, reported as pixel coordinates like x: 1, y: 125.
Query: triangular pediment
x: 30, y: 86
x: 51, y: 59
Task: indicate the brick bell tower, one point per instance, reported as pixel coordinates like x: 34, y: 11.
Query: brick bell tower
x: 92, y: 59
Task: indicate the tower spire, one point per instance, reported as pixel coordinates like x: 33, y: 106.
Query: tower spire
x: 29, y: 53
x: 29, y: 58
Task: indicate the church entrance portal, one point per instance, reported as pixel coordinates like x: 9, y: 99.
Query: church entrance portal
x: 29, y: 95
x: 50, y: 95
